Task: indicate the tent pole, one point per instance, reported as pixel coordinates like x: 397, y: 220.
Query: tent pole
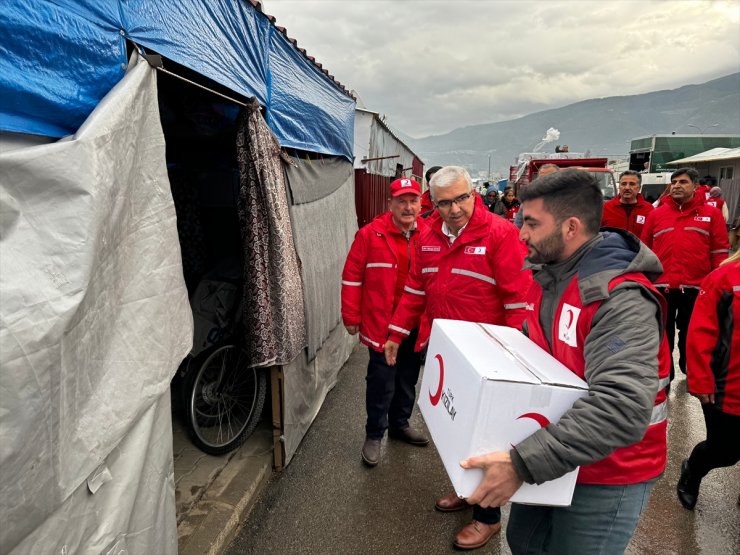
x: 155, y: 60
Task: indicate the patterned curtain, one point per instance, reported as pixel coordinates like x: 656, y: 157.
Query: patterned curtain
x: 274, y: 318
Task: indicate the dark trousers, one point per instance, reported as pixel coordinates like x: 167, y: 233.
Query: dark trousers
x: 491, y: 515
x: 721, y: 448
x: 391, y: 390
x: 680, y: 307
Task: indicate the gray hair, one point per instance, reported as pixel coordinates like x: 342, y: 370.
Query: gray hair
x: 448, y: 176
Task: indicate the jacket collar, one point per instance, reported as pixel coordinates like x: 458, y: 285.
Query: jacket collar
x: 695, y: 202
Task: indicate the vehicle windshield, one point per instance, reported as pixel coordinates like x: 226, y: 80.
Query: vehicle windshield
x: 651, y: 192
x: 606, y: 184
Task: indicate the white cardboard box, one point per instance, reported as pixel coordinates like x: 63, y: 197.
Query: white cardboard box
x: 485, y: 388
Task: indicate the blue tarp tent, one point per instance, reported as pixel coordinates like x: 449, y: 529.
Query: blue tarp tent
x: 59, y: 58
x: 95, y: 317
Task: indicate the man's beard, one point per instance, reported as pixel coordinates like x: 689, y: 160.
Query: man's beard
x: 548, y: 250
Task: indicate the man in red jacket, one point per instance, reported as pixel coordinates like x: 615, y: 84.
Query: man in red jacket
x: 593, y: 308
x: 426, y: 201
x: 690, y: 240
x: 629, y: 210
x: 469, y: 267
x: 373, y: 279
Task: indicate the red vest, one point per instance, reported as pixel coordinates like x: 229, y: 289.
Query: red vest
x: 716, y: 202
x: 627, y: 465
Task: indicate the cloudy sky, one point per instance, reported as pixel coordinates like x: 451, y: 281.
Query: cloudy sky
x: 432, y: 66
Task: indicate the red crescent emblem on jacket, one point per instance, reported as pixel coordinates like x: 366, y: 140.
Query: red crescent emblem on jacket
x: 540, y: 419
x: 570, y: 319
x: 434, y: 399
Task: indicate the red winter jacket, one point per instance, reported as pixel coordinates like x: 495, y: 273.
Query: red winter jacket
x: 713, y: 346
x: 426, y: 202
x: 703, y: 191
x: 479, y: 278
x: 369, y: 281
x: 615, y: 215
x: 690, y: 241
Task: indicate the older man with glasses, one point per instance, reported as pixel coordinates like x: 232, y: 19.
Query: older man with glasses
x: 629, y: 210
x: 468, y: 267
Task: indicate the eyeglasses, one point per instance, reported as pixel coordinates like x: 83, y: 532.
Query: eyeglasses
x: 445, y: 204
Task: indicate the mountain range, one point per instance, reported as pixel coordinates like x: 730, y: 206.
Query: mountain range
x: 601, y: 126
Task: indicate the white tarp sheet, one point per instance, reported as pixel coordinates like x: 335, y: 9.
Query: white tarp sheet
x: 322, y: 244
x: 94, y: 319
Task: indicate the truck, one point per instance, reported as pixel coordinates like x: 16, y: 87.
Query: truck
x: 529, y: 163
x: 651, y: 154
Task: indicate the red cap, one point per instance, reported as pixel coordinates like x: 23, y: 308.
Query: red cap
x: 405, y: 186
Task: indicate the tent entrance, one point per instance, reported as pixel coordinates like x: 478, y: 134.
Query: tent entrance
x: 200, y: 130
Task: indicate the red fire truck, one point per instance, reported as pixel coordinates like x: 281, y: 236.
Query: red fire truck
x: 529, y: 164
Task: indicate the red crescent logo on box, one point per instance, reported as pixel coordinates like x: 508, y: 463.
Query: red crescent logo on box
x: 539, y: 418
x: 434, y: 399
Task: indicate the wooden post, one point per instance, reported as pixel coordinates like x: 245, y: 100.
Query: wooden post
x: 278, y: 398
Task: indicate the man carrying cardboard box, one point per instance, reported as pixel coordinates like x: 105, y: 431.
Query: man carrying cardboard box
x: 468, y: 267
x: 593, y: 308
x: 374, y: 274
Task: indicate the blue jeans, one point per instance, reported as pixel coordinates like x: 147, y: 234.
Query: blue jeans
x: 600, y: 520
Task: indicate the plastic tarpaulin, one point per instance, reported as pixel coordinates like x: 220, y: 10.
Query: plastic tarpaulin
x: 59, y: 58
x: 94, y: 321
x: 324, y: 229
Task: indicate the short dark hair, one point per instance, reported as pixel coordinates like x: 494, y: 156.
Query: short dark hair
x: 431, y: 171
x: 708, y: 180
x: 691, y: 172
x: 569, y: 193
x: 631, y: 172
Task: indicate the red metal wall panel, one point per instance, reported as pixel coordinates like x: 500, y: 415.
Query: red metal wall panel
x: 371, y: 196
x: 417, y: 169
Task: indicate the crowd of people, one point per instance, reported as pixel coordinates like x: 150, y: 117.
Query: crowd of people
x: 632, y: 275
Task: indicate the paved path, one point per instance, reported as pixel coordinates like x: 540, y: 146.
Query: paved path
x: 327, y: 501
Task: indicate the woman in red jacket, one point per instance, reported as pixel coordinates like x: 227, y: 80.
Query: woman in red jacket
x: 510, y: 203
x: 713, y: 370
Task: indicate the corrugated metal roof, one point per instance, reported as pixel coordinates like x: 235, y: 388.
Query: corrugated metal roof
x: 385, y: 126
x: 712, y: 155
x: 272, y: 19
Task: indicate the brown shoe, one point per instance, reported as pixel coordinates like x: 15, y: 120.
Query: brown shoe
x: 371, y: 451
x: 476, y: 534
x: 409, y: 435
x: 451, y: 503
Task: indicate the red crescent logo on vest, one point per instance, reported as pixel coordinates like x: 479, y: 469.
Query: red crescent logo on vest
x: 540, y: 419
x: 434, y: 399
x: 570, y: 318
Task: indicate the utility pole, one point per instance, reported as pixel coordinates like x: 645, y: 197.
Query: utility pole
x: 701, y: 131
x: 489, y: 168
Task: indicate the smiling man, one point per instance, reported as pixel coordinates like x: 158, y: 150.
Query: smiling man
x: 373, y: 279
x: 690, y: 239
x: 594, y: 284
x: 628, y: 210
x: 469, y: 267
